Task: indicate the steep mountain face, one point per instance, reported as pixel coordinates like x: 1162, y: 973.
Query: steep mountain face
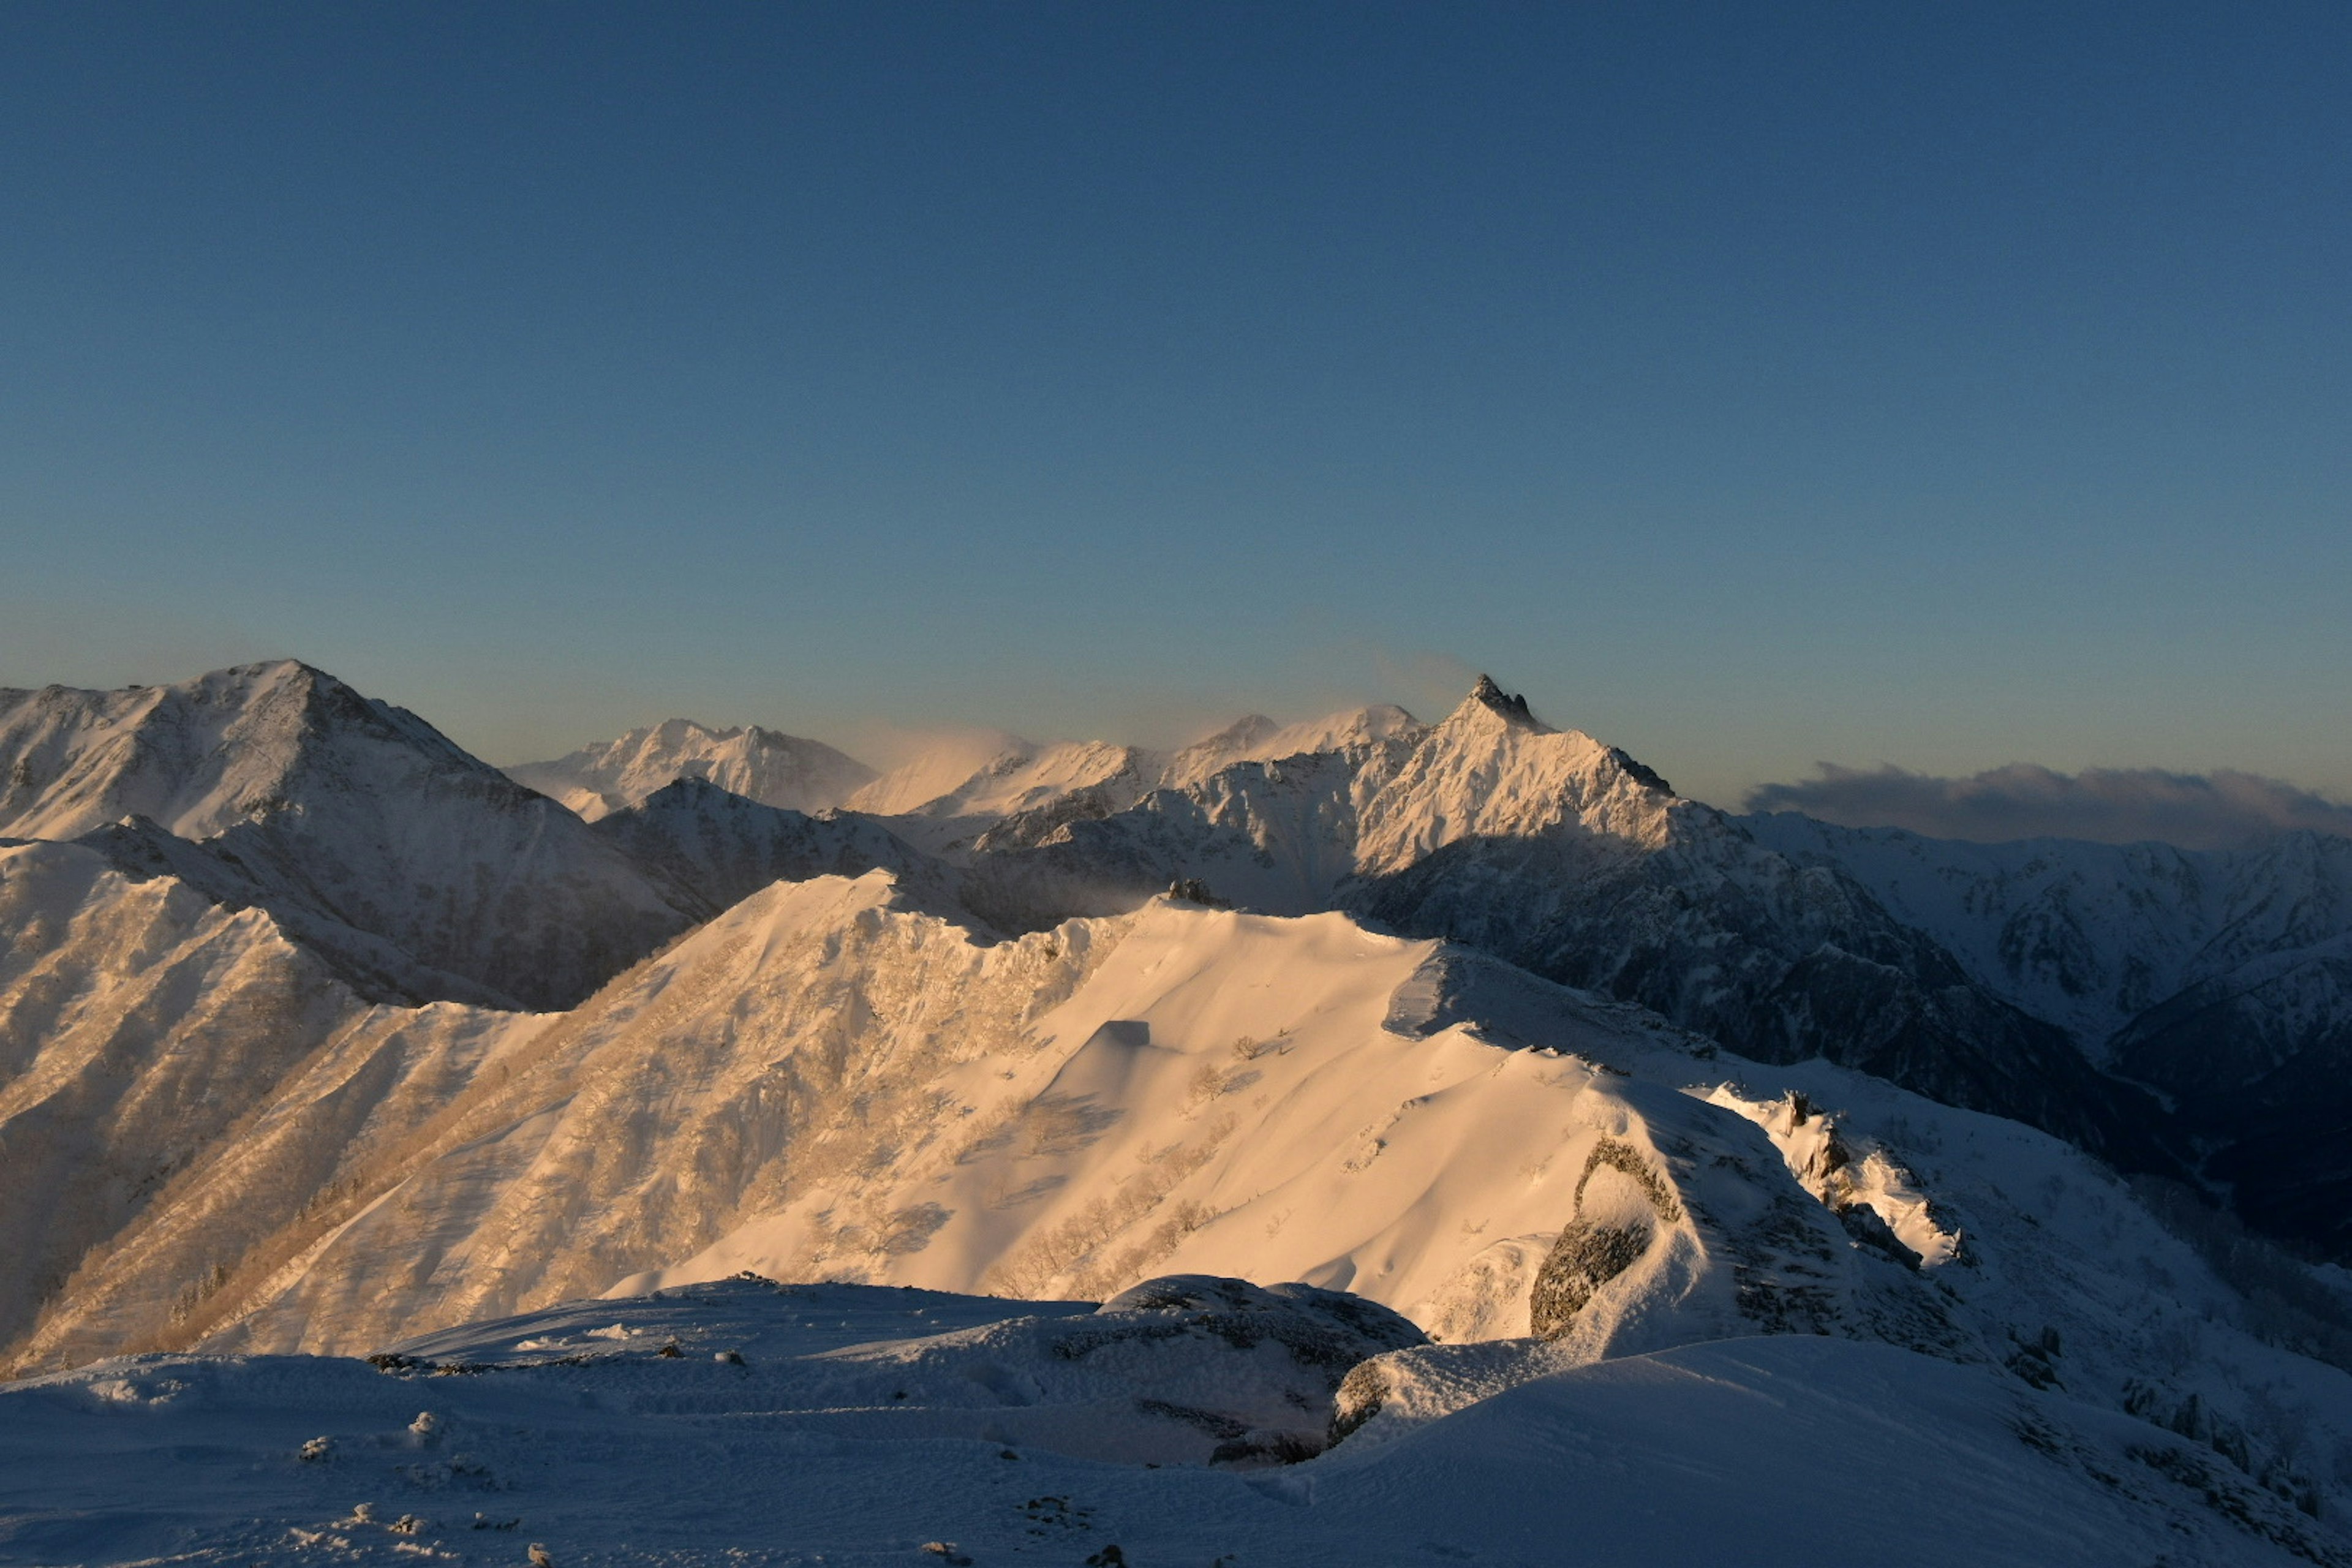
x: 143, y: 1027
x: 2223, y: 978
x: 342, y: 814
x: 2090, y: 936
x: 763, y: 765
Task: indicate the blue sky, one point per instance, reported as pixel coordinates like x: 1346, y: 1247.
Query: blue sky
x: 1750, y: 386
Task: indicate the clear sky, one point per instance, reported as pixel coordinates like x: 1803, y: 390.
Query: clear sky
x: 1750, y: 385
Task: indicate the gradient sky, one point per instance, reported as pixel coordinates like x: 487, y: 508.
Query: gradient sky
x: 1750, y: 386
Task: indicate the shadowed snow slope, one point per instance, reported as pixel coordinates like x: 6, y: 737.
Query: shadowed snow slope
x: 725, y: 847
x: 765, y: 765
x: 742, y: 1423
x: 343, y: 814
x: 2223, y: 978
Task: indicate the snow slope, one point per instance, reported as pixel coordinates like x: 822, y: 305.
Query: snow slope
x: 859, y: 1427
x: 765, y: 765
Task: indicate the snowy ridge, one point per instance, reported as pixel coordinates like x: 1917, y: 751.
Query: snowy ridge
x: 828, y: 1083
x: 199, y: 757
x: 1181, y: 1090
x: 765, y: 765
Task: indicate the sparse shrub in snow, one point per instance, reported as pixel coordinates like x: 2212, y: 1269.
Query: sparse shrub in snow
x: 317, y: 1451
x: 1207, y: 1082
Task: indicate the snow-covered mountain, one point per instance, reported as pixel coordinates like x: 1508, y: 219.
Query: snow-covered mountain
x: 974, y: 780
x: 364, y: 826
x: 1569, y: 857
x: 826, y: 1082
x: 968, y: 785
x: 765, y: 765
x: 1562, y: 1103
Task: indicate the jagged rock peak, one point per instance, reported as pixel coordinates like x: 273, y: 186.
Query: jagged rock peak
x: 1511, y: 708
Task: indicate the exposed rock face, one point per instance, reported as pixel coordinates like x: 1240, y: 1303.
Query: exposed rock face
x: 1597, y: 1245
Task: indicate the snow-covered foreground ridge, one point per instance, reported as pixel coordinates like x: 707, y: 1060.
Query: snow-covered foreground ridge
x: 747, y: 1423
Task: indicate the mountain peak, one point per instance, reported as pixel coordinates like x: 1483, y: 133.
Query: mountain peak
x: 1509, y: 707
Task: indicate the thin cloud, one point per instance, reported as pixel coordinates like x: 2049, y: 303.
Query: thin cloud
x: 2114, y: 806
